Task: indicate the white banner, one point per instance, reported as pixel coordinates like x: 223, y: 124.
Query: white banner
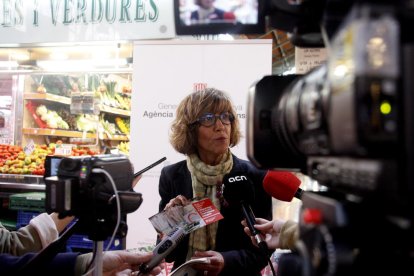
x: 54, y: 21
x: 164, y: 73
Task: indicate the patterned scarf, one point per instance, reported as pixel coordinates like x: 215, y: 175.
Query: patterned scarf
x: 205, y: 179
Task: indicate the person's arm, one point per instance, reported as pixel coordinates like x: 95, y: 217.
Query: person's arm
x: 40, y: 231
x: 63, y: 265
x: 116, y: 261
x: 277, y: 233
x: 60, y: 223
x: 38, y: 234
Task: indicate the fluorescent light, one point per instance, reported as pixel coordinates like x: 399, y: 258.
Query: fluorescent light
x: 82, y: 64
x: 8, y: 64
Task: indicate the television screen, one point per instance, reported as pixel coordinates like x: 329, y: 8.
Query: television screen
x: 194, y: 17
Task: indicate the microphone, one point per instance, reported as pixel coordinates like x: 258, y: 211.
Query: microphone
x: 229, y: 16
x: 282, y: 185
x: 164, y: 248
x: 237, y: 188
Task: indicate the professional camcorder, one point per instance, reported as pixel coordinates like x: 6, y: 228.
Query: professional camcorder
x: 348, y: 124
x: 95, y: 189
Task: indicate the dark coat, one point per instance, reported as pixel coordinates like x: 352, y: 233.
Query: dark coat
x: 62, y: 264
x: 241, y: 257
x: 217, y: 14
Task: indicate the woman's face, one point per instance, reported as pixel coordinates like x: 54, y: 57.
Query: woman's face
x: 213, y: 141
x: 206, y: 3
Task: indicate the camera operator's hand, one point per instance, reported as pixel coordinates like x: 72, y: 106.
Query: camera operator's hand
x: 61, y: 223
x: 277, y: 233
x: 120, y: 262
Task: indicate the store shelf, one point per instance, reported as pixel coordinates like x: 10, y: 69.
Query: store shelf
x: 71, y: 134
x: 57, y: 132
x: 22, y: 182
x: 67, y: 100
x: 47, y: 97
x: 115, y: 111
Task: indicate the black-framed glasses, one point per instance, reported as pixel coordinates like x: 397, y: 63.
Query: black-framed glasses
x: 210, y: 119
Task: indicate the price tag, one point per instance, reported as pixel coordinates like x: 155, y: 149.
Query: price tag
x: 63, y: 149
x: 29, y: 148
x: 83, y: 103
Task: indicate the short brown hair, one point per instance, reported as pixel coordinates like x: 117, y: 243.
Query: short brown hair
x: 183, y: 135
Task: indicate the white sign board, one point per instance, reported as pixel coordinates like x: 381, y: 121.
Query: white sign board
x: 38, y: 21
x: 164, y: 73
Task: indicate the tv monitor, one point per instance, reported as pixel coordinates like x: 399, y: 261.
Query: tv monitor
x: 228, y: 17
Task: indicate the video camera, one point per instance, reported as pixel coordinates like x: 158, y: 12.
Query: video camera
x: 95, y: 189
x: 349, y: 125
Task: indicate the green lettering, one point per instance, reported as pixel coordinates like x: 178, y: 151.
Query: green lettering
x: 18, y: 7
x: 7, y: 22
x: 140, y: 11
x: 54, y: 7
x: 67, y: 7
x: 109, y: 18
x: 80, y: 11
x: 125, y: 17
x: 153, y: 16
x: 96, y: 15
x: 36, y: 14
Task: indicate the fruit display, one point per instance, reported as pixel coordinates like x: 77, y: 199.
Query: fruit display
x: 123, y: 125
x: 13, y: 159
x: 51, y: 118
x: 123, y: 148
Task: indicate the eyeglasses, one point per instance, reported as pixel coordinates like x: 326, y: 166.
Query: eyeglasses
x: 210, y: 119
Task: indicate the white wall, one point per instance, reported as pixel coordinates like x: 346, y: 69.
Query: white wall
x: 165, y: 72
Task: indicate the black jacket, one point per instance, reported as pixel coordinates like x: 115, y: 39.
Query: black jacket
x: 241, y: 257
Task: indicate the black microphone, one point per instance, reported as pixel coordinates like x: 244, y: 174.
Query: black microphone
x: 238, y: 189
x: 164, y: 248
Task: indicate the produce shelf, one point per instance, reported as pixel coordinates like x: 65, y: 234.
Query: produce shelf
x: 70, y: 133
x: 117, y: 111
x: 47, y: 97
x: 57, y: 132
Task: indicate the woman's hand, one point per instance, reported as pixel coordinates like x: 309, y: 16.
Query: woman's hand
x: 215, y: 265
x: 179, y: 200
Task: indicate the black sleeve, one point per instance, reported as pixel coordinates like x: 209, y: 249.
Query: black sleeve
x: 170, y: 185
x: 63, y: 264
x: 164, y: 189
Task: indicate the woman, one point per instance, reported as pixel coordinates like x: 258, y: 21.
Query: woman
x: 205, y: 128
x: 208, y: 12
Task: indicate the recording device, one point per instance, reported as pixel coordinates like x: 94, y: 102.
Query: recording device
x: 282, y: 185
x: 238, y: 190
x: 163, y: 248
x: 349, y: 125
x: 149, y: 167
x: 89, y: 188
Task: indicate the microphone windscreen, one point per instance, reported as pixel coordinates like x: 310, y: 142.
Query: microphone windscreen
x: 229, y: 16
x: 281, y: 185
x: 237, y: 187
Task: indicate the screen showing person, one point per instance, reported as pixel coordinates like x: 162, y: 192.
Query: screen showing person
x: 218, y: 16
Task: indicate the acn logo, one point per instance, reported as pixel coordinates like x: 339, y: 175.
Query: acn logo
x: 237, y: 178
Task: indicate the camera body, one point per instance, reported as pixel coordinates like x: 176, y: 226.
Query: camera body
x: 347, y: 124
x: 89, y: 187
